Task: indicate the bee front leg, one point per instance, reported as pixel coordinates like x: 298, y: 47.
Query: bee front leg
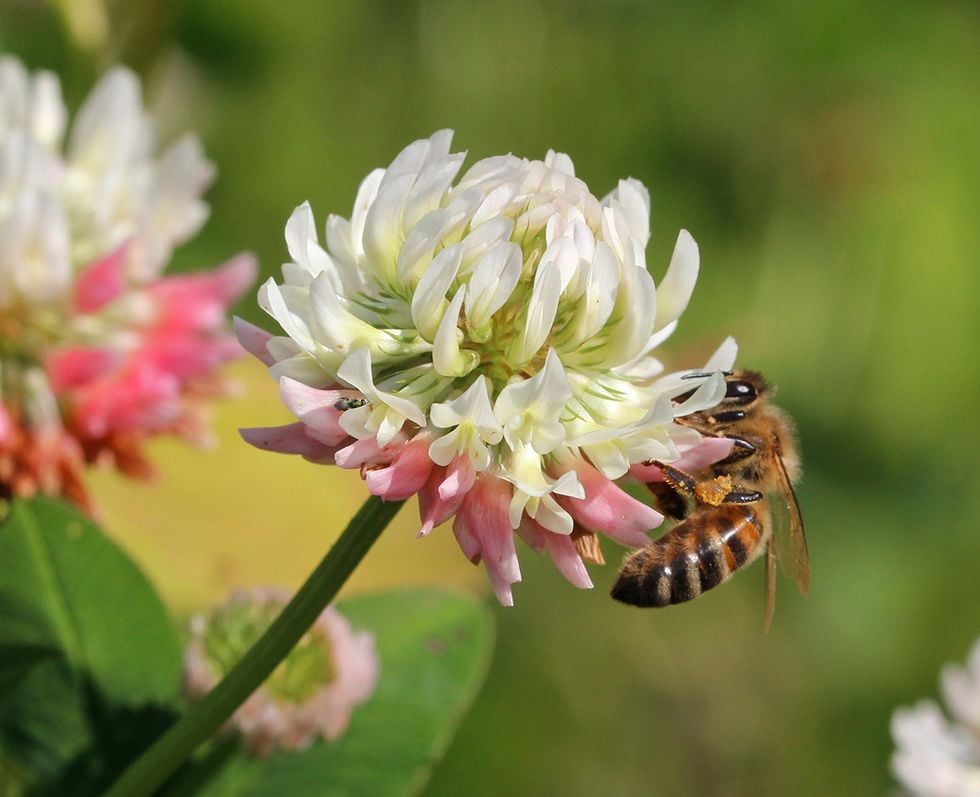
x: 741, y: 449
x: 714, y: 492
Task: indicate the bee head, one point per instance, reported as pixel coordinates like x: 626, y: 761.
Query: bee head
x: 746, y: 387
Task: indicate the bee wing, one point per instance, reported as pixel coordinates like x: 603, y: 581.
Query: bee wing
x: 770, y: 583
x: 790, y: 538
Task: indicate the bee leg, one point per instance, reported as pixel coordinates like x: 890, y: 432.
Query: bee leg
x: 742, y: 449
x: 716, y: 491
x: 681, y: 482
x: 743, y: 497
x: 669, y: 501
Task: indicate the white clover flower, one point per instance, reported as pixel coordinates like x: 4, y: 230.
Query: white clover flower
x: 497, y: 333
x: 97, y: 350
x: 313, y: 691
x: 936, y: 757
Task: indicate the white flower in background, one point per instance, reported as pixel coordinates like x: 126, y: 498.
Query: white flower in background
x: 312, y: 692
x: 936, y: 757
x: 488, y: 345
x: 97, y: 350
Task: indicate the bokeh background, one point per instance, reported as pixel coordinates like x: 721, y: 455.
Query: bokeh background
x: 826, y: 158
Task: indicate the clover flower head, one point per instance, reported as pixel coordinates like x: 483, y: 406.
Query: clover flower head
x: 936, y: 757
x: 97, y: 350
x: 486, y: 341
x: 313, y: 691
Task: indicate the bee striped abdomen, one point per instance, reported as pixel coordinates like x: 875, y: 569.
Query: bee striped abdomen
x: 694, y: 556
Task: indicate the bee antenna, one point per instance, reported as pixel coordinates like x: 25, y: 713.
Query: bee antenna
x: 704, y: 374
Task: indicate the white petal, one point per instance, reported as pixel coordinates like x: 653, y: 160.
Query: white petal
x: 300, y: 229
x: 493, y: 280
x: 301, y: 367
x: 675, y: 289
x: 333, y: 324
x: 599, y: 299
x: 709, y: 393
x: 632, y: 200
x: 444, y: 449
x: 356, y: 372
x: 272, y: 301
x: 552, y: 517
x: 661, y: 335
x: 566, y: 257
x: 542, y: 396
x: 724, y: 358
x: 429, y: 300
x: 383, y: 227
x: 446, y: 355
x: 430, y: 187
x: 338, y: 238
x: 636, y: 309
x: 483, y: 237
x: 420, y: 244
x: 473, y: 406
x: 48, y: 114
x: 541, y: 309
x: 560, y: 162
x: 495, y: 204
x: 366, y: 194
x: 411, y: 160
x: 569, y: 484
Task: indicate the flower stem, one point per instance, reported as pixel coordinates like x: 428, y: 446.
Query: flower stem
x: 204, y: 718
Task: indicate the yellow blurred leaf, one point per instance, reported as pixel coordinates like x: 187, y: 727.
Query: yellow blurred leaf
x: 236, y: 516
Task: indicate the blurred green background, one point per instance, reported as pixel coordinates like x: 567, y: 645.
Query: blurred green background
x: 826, y: 158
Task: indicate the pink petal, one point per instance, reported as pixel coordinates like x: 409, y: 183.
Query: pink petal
x: 443, y: 492
x: 609, y: 509
x: 79, y: 365
x: 254, y: 340
x: 6, y: 426
x: 368, y: 454
x: 289, y: 439
x: 316, y: 408
x: 707, y: 452
x: 406, y: 474
x: 232, y: 279
x: 483, y: 531
x: 101, y: 282
x: 136, y: 396
x: 199, y: 301
x: 560, y: 548
x: 460, y: 476
x: 184, y: 355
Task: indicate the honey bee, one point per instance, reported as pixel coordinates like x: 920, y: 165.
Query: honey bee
x: 730, y: 512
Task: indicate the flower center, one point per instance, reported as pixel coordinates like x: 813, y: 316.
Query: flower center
x: 234, y: 629
x: 494, y: 347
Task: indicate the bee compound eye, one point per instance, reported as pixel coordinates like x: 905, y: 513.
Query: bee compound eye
x: 741, y: 391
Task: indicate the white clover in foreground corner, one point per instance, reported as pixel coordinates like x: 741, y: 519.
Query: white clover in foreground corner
x: 936, y: 757
x: 487, y: 343
x: 313, y: 691
x: 98, y: 350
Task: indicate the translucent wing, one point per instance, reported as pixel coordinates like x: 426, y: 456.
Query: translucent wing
x: 770, y: 583
x: 788, y: 533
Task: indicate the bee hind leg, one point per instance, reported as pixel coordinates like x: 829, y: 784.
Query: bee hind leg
x: 669, y: 501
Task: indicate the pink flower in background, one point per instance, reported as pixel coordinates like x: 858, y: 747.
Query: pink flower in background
x: 310, y: 695
x: 98, y: 350
x: 487, y: 343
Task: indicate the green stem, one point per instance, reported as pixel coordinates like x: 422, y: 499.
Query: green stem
x: 204, y: 718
